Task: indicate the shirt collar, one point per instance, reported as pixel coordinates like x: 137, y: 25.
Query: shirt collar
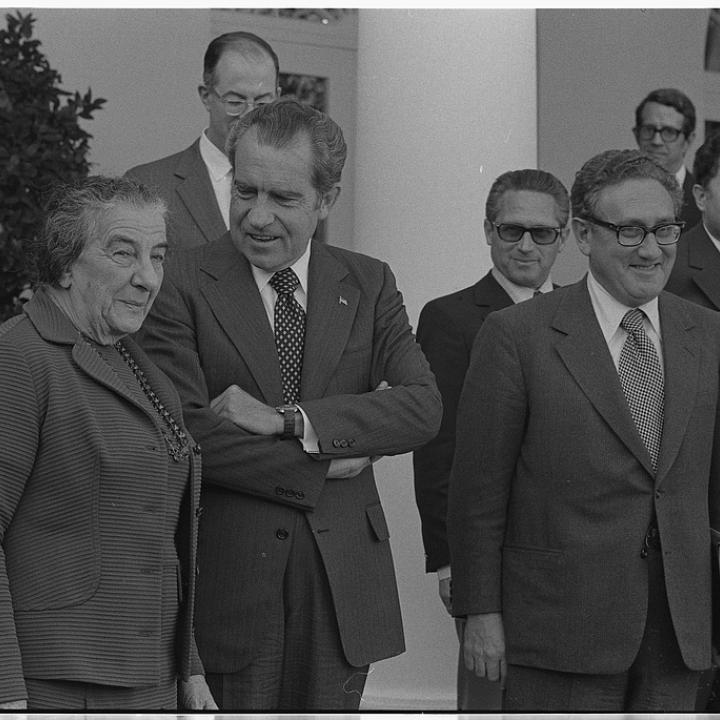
x: 300, y: 267
x: 216, y: 161
x: 518, y: 293
x: 610, y: 311
x: 680, y: 175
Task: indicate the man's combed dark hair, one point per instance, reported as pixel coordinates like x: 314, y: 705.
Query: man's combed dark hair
x: 282, y: 122
x: 672, y: 98
x: 613, y: 167
x: 707, y: 160
x: 529, y: 179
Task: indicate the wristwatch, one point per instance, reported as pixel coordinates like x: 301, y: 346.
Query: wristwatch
x: 288, y: 412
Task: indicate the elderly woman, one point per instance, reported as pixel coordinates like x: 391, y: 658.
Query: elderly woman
x: 99, y: 481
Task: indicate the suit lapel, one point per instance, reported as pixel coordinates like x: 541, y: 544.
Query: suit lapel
x: 703, y: 256
x: 584, y: 351
x: 332, y: 307
x: 487, y: 292
x: 228, y: 286
x: 197, y: 193
x: 681, y: 358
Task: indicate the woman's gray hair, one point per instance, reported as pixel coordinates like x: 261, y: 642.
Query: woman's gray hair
x: 71, y: 213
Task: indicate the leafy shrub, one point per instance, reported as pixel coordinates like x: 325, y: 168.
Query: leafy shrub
x: 41, y: 144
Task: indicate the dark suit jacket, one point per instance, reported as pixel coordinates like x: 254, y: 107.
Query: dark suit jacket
x: 208, y: 329
x: 182, y: 180
x: 446, y: 331
x: 696, y: 273
x: 552, y: 489
x: 690, y: 212
x: 74, y: 438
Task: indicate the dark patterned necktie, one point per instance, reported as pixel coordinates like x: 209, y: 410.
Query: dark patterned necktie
x: 289, y: 332
x: 642, y: 382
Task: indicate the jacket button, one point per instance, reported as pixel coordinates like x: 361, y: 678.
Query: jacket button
x: 299, y: 494
x: 279, y: 490
x: 281, y: 534
x: 350, y: 442
x: 336, y: 443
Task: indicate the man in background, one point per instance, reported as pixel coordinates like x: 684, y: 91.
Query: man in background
x: 586, y: 476
x: 240, y: 71
x: 664, y: 130
x: 526, y: 214
x: 696, y: 273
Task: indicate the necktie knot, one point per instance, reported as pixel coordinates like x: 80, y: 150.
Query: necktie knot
x: 284, y: 282
x: 632, y: 322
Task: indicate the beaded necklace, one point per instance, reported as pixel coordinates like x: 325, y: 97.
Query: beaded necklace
x: 175, y: 438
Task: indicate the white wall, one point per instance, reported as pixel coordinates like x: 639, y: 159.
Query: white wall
x: 446, y: 102
x: 146, y: 63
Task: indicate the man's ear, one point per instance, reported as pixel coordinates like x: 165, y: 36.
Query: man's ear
x: 698, y: 192
x: 204, y: 94
x: 581, y: 230
x: 488, y: 227
x: 327, y: 200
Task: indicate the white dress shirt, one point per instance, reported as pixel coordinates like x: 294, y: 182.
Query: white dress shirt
x: 518, y: 293
x: 220, y: 173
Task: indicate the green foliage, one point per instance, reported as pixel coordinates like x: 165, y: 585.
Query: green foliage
x: 41, y: 144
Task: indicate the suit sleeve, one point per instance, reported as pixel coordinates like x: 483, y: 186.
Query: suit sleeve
x: 232, y: 458
x: 19, y: 441
x: 490, y: 425
x: 445, y: 347
x: 387, y: 422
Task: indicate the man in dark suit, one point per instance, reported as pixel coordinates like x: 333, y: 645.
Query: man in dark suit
x: 696, y: 273
x: 240, y: 71
x: 582, y: 494
x: 664, y: 130
x: 526, y: 214
x: 296, y: 591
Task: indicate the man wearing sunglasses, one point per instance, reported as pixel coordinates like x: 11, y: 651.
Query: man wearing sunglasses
x: 585, y: 478
x: 240, y: 71
x: 525, y: 227
x: 664, y: 130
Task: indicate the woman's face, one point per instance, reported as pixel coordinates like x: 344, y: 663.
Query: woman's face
x: 112, y: 285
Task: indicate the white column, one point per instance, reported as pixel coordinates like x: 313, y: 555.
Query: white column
x: 446, y: 102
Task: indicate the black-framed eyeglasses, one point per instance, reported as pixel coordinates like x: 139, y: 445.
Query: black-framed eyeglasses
x: 540, y: 234
x: 667, y: 133
x: 235, y: 106
x: 632, y: 235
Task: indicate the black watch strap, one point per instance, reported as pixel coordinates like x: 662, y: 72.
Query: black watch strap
x: 288, y: 413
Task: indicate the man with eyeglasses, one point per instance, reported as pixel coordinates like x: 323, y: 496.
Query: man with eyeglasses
x: 585, y: 477
x: 525, y: 227
x: 664, y: 130
x: 240, y: 71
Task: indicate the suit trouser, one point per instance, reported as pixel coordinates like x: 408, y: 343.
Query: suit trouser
x: 657, y: 681
x: 300, y: 664
x: 474, y: 694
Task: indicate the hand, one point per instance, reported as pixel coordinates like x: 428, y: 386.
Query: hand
x: 247, y: 412
x: 14, y: 705
x: 444, y: 592
x: 195, y: 694
x: 343, y: 468
x: 484, y: 646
